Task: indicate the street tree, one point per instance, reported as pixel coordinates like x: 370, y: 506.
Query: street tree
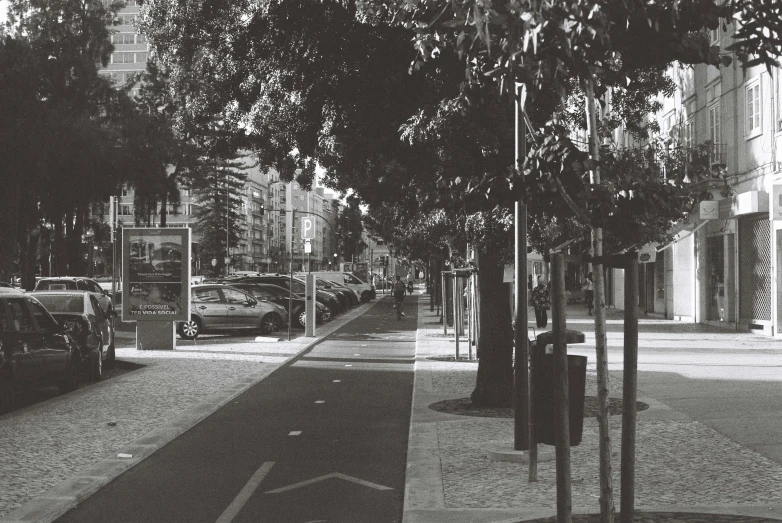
x: 64, y: 155
x: 605, y: 47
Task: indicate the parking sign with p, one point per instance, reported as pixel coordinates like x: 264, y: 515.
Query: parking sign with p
x: 307, y: 226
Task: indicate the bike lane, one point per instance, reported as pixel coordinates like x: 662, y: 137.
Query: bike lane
x: 322, y: 439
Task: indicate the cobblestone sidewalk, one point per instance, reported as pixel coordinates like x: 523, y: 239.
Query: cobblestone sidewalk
x: 685, y: 470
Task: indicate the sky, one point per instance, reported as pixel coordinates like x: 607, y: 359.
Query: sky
x: 3, y: 9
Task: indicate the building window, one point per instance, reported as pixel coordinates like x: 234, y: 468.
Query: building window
x: 125, y: 210
x: 688, y: 133
x: 124, y: 191
x: 123, y: 38
x: 126, y: 19
x: 123, y: 58
x: 753, y: 109
x: 715, y: 130
x: 141, y: 39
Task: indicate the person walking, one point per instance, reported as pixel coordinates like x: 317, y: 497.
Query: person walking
x: 541, y: 302
x: 589, y: 293
x: 399, y: 295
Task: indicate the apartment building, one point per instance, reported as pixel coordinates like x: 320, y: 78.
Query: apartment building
x: 725, y: 265
x: 131, y: 49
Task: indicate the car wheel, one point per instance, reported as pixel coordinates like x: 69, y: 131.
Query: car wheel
x: 326, y: 315
x: 97, y: 361
x: 270, y: 323
x: 190, y: 329
x: 366, y: 296
x: 300, y: 317
x: 71, y: 381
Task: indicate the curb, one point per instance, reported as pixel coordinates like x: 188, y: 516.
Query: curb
x: 68, y: 494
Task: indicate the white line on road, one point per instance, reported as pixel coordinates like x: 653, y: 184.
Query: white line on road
x: 320, y: 401
x: 339, y: 475
x: 239, y: 501
x: 294, y: 433
x: 335, y: 381
x: 348, y: 365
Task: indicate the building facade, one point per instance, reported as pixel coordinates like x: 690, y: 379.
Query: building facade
x: 725, y: 265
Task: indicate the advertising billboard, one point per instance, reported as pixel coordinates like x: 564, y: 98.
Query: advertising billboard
x: 155, y: 274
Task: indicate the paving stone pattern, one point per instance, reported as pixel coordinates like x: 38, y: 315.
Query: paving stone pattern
x: 667, y: 517
x: 458, y: 378
x: 47, y: 443
x: 679, y: 462
x: 464, y: 407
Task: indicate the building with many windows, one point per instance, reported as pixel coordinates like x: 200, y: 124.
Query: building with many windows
x: 725, y: 265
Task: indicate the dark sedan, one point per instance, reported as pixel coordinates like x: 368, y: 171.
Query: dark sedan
x: 280, y: 296
x: 34, y: 348
x: 348, y: 294
x: 328, y: 299
x: 81, y: 314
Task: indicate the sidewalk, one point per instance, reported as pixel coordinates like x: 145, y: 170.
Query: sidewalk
x: 683, y: 467
x: 61, y: 451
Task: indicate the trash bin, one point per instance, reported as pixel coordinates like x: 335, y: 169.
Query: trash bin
x: 543, y: 394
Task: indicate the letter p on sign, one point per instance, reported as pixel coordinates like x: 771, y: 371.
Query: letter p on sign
x: 307, y: 227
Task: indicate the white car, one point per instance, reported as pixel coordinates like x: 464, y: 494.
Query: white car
x: 363, y: 290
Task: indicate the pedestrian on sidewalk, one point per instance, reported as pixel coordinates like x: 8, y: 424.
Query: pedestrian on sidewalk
x: 541, y: 302
x: 399, y: 295
x: 589, y: 293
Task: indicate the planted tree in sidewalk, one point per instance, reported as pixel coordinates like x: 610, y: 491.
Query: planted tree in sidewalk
x: 63, y: 155
x: 603, y: 46
x: 315, y: 85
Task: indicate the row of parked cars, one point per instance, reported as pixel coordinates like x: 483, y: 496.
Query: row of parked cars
x: 64, y: 330
x: 58, y: 333
x: 248, y: 300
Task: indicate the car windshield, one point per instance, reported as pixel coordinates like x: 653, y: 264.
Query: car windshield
x: 55, y: 303
x: 55, y: 285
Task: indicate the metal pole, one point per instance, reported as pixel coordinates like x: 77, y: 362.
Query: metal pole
x: 561, y: 396
x: 227, y: 230
x: 521, y: 371
x: 456, y: 312
x: 290, y: 283
x: 445, y: 299
x: 113, y: 204
x: 629, y: 391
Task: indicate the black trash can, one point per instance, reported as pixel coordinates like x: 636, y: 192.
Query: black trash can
x: 543, y: 395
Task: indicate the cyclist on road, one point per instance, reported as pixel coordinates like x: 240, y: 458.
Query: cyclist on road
x: 399, y: 295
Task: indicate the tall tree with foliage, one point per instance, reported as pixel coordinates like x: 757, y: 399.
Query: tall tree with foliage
x: 64, y: 154
x: 602, y: 46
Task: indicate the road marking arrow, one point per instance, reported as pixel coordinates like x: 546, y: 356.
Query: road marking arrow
x: 328, y: 476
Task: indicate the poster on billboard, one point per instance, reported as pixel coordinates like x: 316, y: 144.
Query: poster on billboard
x: 156, y: 274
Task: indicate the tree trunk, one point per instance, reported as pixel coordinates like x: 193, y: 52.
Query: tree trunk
x: 603, y: 416
x: 494, y: 383
x: 163, y: 208
x: 74, y: 241
x: 9, y: 217
x: 59, y: 247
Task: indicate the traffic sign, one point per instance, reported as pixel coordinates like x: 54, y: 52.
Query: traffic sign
x: 214, y: 262
x: 307, y: 226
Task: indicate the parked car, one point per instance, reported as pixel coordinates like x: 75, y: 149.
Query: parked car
x: 35, y: 349
x: 346, y: 297
x: 215, y: 307
x: 81, y: 314
x: 335, y: 287
x: 363, y: 290
x: 280, y: 296
x: 328, y: 299
x: 73, y: 283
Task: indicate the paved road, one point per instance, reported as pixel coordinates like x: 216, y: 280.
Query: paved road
x: 323, y: 439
